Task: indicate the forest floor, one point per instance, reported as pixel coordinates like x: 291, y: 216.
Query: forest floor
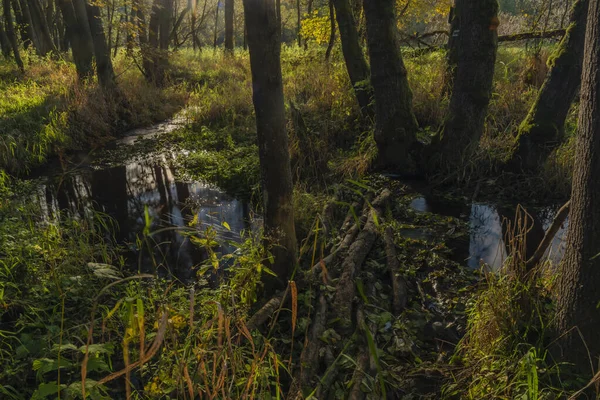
x: 74, y: 309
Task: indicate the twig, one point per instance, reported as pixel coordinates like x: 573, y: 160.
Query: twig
x: 560, y: 218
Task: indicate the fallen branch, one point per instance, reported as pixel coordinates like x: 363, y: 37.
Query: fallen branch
x: 357, y: 253
x: 344, y: 245
x: 399, y: 289
x: 560, y: 218
x: 532, y: 35
x: 309, y: 359
x: 266, y: 311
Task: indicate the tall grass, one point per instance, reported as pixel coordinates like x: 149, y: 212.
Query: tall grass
x: 47, y: 111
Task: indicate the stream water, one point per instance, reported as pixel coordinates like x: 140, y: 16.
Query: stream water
x: 487, y: 230
x: 149, y: 183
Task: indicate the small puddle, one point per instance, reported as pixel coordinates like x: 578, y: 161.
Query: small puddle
x: 487, y: 230
x: 125, y: 192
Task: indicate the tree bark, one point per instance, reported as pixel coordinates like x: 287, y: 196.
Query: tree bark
x: 27, y: 23
x: 165, y: 18
x: 357, y: 67
x: 579, y: 274
x: 471, y: 60
x: 229, y: 34
x: 10, y: 33
x: 104, y: 67
x: 299, y: 22
x: 332, y: 33
x: 542, y: 129
x: 265, y: 62
x: 4, y: 42
x: 215, y: 36
x: 80, y: 39
x: 40, y: 25
x: 22, y: 26
x: 395, y: 123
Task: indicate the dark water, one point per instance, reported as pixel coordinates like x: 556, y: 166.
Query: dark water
x: 149, y: 183
x: 126, y: 192
x: 488, y: 230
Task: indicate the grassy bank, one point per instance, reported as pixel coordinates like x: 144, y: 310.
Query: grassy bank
x: 47, y: 112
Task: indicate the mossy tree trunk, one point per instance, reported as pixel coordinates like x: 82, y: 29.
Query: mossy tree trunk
x: 10, y: 33
x: 579, y: 274
x: 80, y: 38
x: 471, y: 58
x: 395, y: 123
x: 542, y: 129
x: 104, y: 67
x: 265, y: 62
x: 229, y: 14
x: 356, y: 64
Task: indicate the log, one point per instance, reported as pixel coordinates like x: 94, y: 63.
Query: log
x: 555, y: 33
x: 309, y: 359
x: 266, y: 311
x: 399, y: 288
x: 357, y: 253
x: 344, y: 245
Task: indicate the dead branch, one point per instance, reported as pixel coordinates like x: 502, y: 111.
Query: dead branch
x: 555, y: 33
x: 400, y: 291
x: 357, y: 253
x: 560, y: 218
x: 266, y: 311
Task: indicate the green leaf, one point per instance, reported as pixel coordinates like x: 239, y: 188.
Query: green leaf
x: 361, y: 290
x: 99, y: 348
x: 47, y: 389
x: 226, y: 225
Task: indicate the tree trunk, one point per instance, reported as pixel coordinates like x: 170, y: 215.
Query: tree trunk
x: 165, y: 18
x: 104, y: 67
x: 229, y: 13
x: 357, y: 67
x: 265, y: 51
x: 22, y: 26
x: 579, y: 274
x: 215, y: 36
x: 471, y: 59
x: 332, y: 33
x: 40, y: 25
x: 80, y: 39
x: 542, y: 129
x: 10, y: 33
x: 299, y: 22
x: 4, y: 42
x: 395, y: 123
x: 27, y: 24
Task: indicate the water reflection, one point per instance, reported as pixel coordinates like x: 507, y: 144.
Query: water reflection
x: 488, y: 225
x: 125, y: 192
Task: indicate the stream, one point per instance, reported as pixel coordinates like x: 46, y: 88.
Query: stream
x: 149, y: 183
